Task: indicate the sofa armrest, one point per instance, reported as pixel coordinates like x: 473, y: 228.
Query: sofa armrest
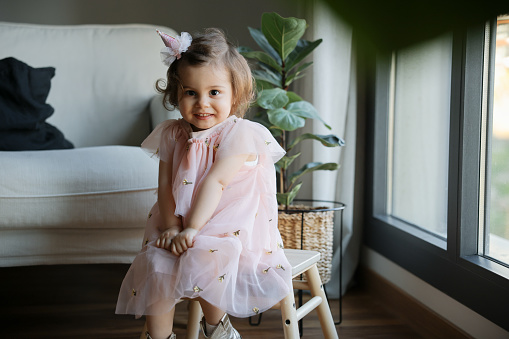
x: 158, y: 113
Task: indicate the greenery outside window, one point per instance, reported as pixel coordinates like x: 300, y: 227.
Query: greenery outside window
x: 494, y: 227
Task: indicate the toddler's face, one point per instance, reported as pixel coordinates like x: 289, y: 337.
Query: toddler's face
x: 206, y: 98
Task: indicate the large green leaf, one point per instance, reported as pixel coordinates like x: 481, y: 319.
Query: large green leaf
x: 301, y: 51
x: 282, y: 33
x: 263, y: 85
x: 244, y: 49
x: 310, y: 167
x: 262, y: 75
x: 298, y: 73
x: 287, y: 198
x: 285, y: 119
x: 263, y: 57
x: 292, y: 78
x: 286, y: 161
x: 273, y: 98
x: 327, y: 140
x: 293, y: 97
x: 305, y: 109
x: 261, y: 118
x: 261, y: 40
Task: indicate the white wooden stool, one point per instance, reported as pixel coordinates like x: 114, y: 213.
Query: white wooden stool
x: 303, y: 262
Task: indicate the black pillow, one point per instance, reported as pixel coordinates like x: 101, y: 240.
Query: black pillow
x: 23, y: 108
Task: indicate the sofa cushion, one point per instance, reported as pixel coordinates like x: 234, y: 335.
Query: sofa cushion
x: 101, y: 187
x: 21, y: 247
x: 105, y: 76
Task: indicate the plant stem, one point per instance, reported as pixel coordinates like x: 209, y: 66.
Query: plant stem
x: 283, y: 77
x: 282, y: 177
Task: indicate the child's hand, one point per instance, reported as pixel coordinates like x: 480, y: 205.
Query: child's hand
x: 182, y: 241
x: 165, y: 238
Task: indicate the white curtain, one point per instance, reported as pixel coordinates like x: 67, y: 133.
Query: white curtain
x: 333, y: 88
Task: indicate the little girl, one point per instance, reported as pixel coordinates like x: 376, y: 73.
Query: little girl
x: 212, y: 235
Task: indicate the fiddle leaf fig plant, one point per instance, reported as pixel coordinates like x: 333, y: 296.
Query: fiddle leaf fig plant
x: 279, y: 64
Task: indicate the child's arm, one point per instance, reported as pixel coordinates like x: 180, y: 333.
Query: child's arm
x: 172, y: 224
x: 207, y: 199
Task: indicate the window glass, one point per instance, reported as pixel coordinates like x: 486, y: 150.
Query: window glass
x: 497, y: 228
x: 419, y: 116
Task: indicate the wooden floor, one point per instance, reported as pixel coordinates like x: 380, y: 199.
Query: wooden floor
x: 78, y: 301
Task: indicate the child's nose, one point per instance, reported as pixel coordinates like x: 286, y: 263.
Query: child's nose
x: 203, y: 101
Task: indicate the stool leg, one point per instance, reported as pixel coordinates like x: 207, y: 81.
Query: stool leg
x: 193, y: 320
x: 289, y: 317
x: 323, y: 310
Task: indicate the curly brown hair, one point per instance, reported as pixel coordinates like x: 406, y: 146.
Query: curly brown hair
x: 211, y: 47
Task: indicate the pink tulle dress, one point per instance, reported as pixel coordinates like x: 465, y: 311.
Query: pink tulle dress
x: 237, y: 262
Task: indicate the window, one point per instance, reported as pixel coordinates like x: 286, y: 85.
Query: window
x: 418, y: 133
x: 437, y: 200
x: 494, y: 229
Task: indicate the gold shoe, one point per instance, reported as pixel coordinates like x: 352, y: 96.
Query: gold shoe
x: 224, y: 329
x: 146, y: 335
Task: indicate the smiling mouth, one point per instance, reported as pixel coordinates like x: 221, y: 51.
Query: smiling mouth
x: 203, y: 114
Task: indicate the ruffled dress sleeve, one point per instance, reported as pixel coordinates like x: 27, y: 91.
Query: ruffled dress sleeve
x: 161, y: 142
x: 248, y: 137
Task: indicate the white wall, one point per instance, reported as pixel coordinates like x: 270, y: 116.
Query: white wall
x: 448, y: 308
x: 229, y: 15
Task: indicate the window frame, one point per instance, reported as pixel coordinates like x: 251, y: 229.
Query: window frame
x: 452, y: 266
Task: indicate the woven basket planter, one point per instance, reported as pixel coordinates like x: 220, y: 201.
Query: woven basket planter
x: 308, y: 228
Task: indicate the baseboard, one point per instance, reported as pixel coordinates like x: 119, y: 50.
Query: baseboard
x: 420, y: 318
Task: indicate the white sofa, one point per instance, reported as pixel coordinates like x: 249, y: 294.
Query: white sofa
x: 87, y: 204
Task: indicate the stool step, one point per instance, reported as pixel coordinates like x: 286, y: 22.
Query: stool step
x: 308, y: 307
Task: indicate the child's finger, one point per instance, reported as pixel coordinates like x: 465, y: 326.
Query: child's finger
x: 183, y: 246
x: 160, y: 243
x: 166, y: 243
x: 189, y: 241
x: 178, y: 248
x: 173, y: 249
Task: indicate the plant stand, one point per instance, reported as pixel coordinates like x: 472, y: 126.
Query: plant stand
x: 314, y: 237
x: 310, y: 228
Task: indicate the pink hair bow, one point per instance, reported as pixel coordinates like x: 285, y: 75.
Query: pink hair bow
x: 174, y: 46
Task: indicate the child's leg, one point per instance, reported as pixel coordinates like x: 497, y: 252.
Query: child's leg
x: 216, y: 324
x: 160, y: 326
x: 211, y: 313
